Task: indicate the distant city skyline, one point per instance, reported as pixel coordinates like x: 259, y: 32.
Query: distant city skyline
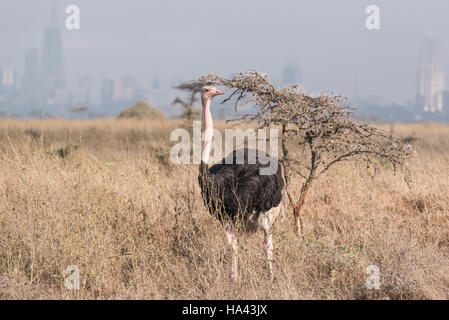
x: 41, y: 89
x: 83, y: 67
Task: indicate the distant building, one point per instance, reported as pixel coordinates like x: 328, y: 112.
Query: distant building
x: 446, y: 101
x: 126, y: 89
x: 117, y: 88
x: 156, y: 83
x: 83, y: 92
x: 8, y: 80
x: 30, y: 82
x: 430, y: 85
x: 291, y: 74
x: 107, y: 92
x: 52, y: 58
x: 9, y: 95
x: 129, y: 88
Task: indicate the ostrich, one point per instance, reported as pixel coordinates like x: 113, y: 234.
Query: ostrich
x: 237, y: 194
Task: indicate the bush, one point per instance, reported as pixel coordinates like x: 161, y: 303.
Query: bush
x: 142, y: 110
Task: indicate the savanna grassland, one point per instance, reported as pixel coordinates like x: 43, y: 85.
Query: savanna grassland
x: 104, y: 196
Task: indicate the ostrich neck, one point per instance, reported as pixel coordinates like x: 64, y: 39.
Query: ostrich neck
x: 208, y: 130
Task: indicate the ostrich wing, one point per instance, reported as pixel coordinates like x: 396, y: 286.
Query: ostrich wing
x: 238, y: 190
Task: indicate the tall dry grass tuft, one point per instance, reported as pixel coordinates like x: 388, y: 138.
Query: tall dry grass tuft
x: 136, y: 227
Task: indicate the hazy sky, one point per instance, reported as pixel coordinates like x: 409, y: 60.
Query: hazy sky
x: 185, y: 39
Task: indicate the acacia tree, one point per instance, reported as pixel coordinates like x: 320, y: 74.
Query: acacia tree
x: 189, y: 111
x: 323, y: 127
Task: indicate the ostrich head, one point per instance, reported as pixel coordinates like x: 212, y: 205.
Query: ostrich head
x: 208, y: 92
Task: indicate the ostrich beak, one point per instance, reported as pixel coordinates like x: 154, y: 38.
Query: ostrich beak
x: 218, y: 92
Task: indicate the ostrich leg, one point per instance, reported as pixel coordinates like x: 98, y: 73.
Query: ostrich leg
x: 232, y: 240
x: 268, y: 244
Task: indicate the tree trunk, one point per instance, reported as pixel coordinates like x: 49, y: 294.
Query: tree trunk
x: 305, y: 187
x: 297, y: 210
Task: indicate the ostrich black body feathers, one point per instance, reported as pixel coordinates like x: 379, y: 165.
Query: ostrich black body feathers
x: 238, y: 193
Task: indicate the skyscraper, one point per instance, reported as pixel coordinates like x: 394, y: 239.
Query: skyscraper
x: 83, y: 95
x: 52, y: 61
x: 107, y: 92
x: 31, y: 76
x: 291, y: 74
x: 8, y: 79
x: 125, y: 89
x: 8, y: 88
x: 430, y: 78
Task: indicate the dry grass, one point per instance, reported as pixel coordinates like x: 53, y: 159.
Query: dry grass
x: 102, y: 195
